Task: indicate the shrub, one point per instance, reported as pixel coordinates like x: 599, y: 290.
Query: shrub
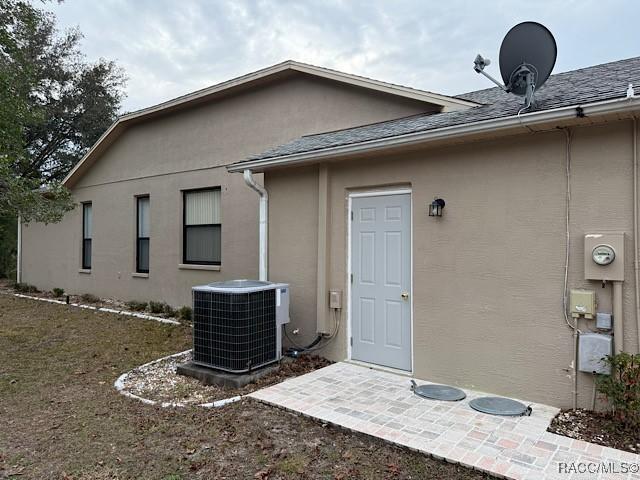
x: 89, y: 298
x: 136, y: 306
x: 184, y: 313
x: 156, y: 307
x: 25, y: 288
x: 57, y: 292
x: 168, y: 310
x: 622, y: 387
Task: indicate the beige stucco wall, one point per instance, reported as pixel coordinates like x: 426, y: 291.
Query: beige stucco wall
x: 488, y: 275
x: 183, y: 151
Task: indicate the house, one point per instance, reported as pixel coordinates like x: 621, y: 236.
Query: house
x: 157, y: 212
x: 475, y: 297
x: 351, y: 167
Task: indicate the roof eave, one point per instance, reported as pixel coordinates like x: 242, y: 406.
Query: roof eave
x: 523, y: 122
x: 446, y: 102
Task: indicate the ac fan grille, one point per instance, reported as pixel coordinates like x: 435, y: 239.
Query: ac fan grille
x: 234, y: 331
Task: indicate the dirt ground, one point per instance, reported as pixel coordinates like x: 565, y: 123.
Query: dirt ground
x: 60, y: 416
x: 596, y: 427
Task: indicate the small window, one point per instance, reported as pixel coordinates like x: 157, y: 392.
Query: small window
x: 87, y: 227
x: 202, y: 227
x: 142, y: 234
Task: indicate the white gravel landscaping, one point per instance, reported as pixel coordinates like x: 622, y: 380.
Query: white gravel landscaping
x: 157, y: 383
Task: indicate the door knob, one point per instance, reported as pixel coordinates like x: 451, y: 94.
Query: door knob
x: 404, y: 295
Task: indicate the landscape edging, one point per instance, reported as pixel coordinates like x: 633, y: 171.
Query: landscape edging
x: 120, y: 387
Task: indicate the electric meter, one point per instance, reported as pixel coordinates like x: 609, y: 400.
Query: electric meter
x: 603, y: 254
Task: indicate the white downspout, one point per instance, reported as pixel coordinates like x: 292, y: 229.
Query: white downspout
x: 264, y: 222
x: 19, y: 253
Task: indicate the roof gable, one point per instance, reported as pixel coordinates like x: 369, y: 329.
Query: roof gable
x: 251, y: 81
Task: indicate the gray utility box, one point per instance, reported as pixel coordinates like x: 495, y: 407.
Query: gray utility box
x: 593, y: 347
x: 237, y: 324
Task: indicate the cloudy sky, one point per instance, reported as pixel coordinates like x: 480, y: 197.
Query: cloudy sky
x: 171, y: 47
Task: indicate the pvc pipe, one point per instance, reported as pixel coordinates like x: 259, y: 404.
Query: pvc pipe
x: 635, y: 228
x: 618, y: 330
x: 19, y: 253
x: 574, y: 369
x: 264, y: 223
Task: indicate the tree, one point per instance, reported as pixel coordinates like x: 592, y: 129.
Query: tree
x: 54, y: 105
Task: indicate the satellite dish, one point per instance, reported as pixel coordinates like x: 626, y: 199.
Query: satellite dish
x: 527, y: 57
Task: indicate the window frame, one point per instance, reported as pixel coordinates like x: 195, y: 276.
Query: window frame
x: 138, y: 237
x: 86, y: 266
x: 185, y: 227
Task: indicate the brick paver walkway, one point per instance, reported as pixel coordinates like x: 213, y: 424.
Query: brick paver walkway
x: 380, y: 404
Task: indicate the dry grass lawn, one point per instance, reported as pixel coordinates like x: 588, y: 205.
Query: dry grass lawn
x: 60, y: 416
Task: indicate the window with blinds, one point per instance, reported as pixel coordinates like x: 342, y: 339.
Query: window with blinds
x: 142, y: 234
x: 87, y: 227
x: 201, y: 242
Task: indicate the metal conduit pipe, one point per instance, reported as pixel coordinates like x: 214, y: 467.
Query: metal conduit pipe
x: 635, y: 228
x: 263, y: 222
x: 618, y: 330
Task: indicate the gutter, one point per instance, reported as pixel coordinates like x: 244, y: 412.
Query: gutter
x: 617, y: 105
x: 264, y: 222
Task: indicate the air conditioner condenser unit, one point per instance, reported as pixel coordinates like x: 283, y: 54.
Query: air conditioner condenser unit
x: 237, y: 324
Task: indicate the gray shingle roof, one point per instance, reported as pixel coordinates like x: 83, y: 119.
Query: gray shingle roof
x: 586, y: 85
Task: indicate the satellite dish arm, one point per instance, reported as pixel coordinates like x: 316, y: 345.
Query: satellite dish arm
x: 493, y: 80
x: 479, y: 63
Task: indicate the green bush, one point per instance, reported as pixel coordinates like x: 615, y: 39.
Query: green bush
x: 89, y: 298
x: 136, y: 306
x: 161, y: 308
x: 156, y: 307
x: 168, y: 310
x: 57, y: 292
x: 622, y: 387
x: 184, y: 313
x: 25, y: 288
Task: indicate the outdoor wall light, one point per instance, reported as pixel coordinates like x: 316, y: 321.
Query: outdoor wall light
x: 435, y: 208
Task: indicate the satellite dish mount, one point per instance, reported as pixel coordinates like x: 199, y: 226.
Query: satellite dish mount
x: 527, y: 56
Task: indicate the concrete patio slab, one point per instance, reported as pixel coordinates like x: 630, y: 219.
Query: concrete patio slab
x: 380, y: 404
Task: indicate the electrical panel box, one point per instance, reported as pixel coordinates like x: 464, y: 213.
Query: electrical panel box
x: 582, y: 303
x: 282, y: 305
x: 604, y: 256
x: 592, y: 348
x: 603, y: 321
x: 335, y: 299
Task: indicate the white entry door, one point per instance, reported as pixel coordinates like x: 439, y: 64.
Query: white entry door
x: 381, y: 280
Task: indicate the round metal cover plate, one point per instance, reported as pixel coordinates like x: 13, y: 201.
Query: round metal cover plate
x: 499, y: 406
x: 440, y: 392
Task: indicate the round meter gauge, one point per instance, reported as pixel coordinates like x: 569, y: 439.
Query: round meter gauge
x: 603, y: 254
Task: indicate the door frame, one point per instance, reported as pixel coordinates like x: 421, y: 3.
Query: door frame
x: 378, y: 193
